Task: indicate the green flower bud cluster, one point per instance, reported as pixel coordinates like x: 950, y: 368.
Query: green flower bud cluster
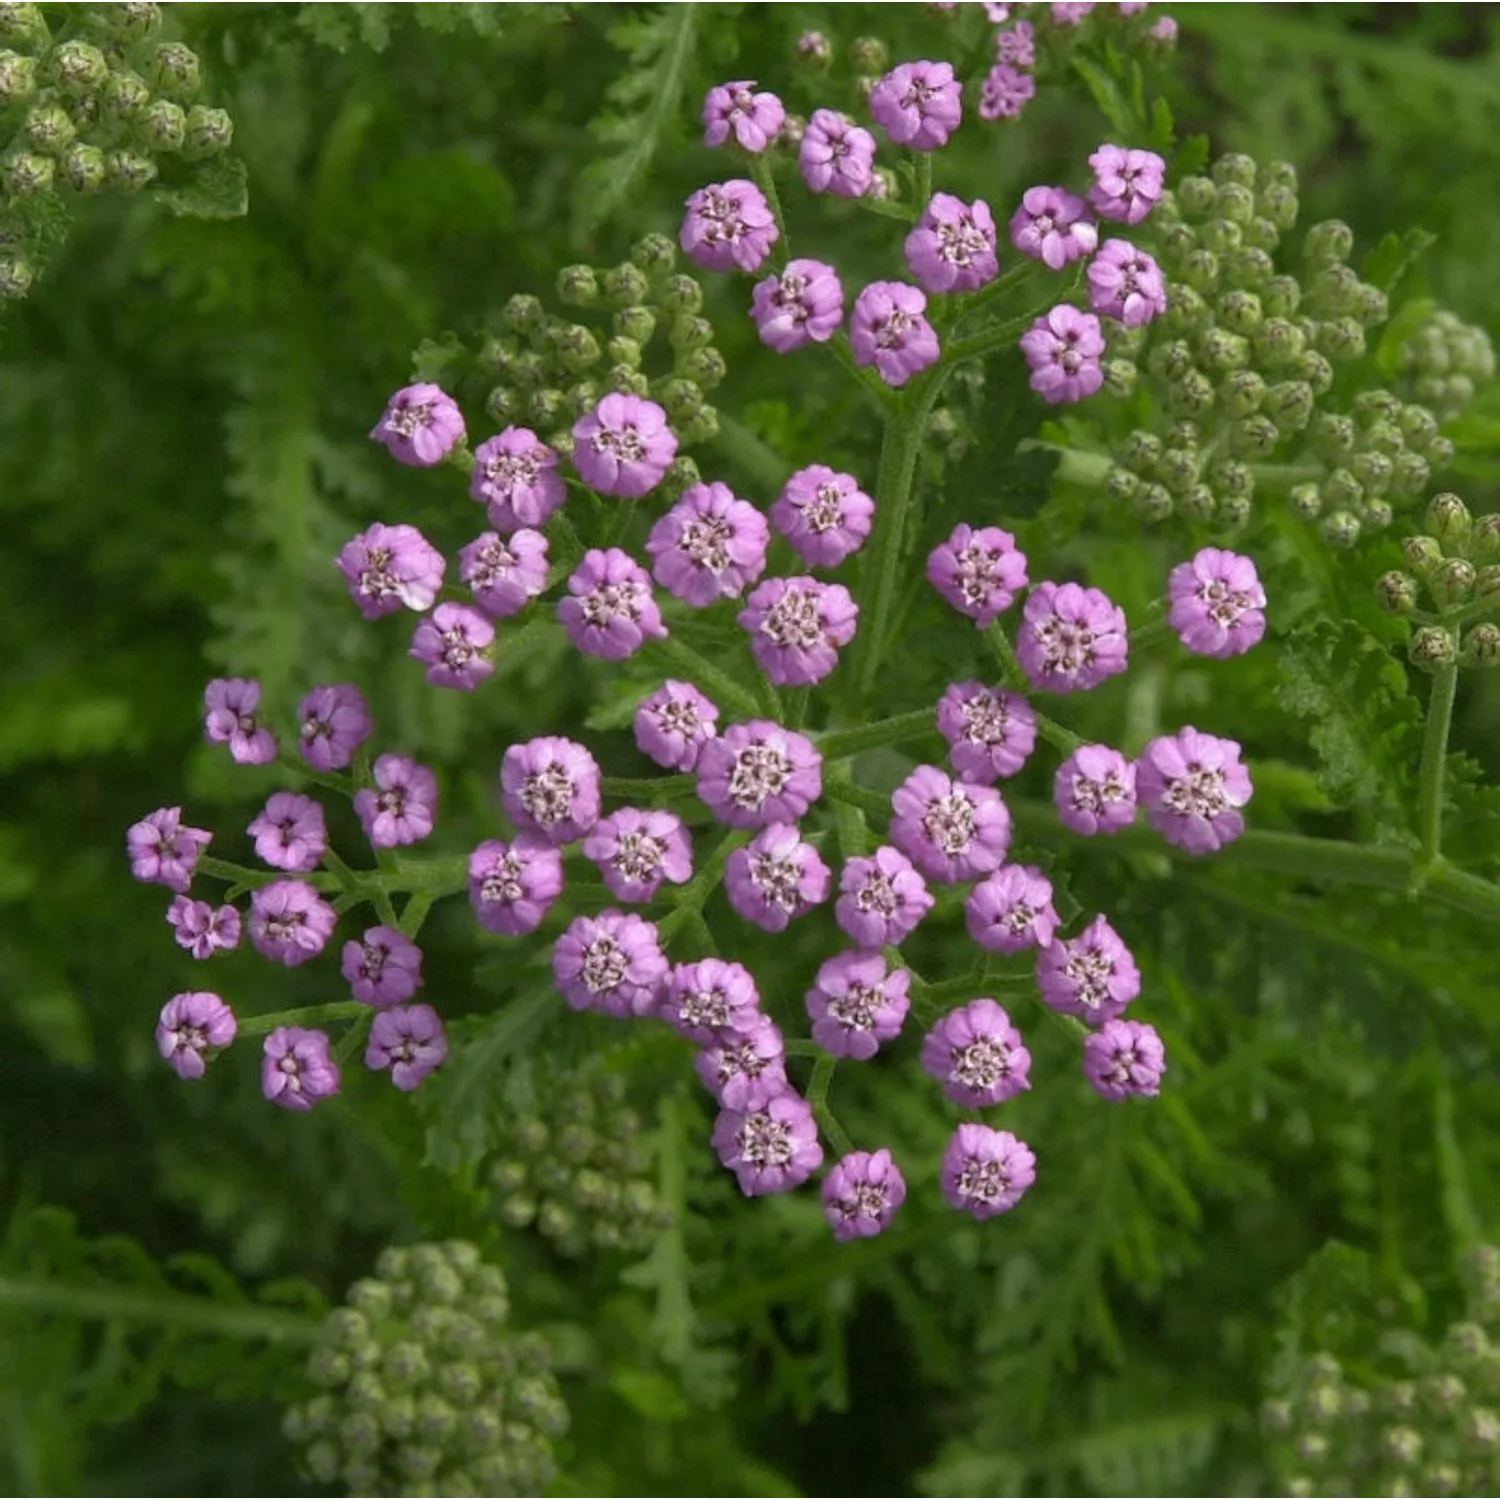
x: 1432, y: 1427
x: 579, y: 1175
x: 1444, y: 361
x: 550, y: 370
x: 1451, y: 577
x: 100, y: 108
x: 1246, y: 356
x: 424, y: 1389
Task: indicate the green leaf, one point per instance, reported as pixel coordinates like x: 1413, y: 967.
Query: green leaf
x: 218, y: 189
x: 1191, y: 157
x: 1394, y: 256
x: 436, y: 359
x: 1111, y: 98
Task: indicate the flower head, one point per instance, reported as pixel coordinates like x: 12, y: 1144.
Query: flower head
x: 636, y: 850
x: 1071, y: 638
x: 796, y: 626
x: 758, y: 773
x: 1016, y: 46
x: 855, y: 1005
x: 978, y: 571
x: 1094, y: 790
x: 611, y: 963
x: 453, y: 644
x: 1126, y: 284
x: 200, y: 929
x: 883, y: 898
x: 777, y: 876
x: 711, y: 545
x: 824, y: 515
x: 1070, y: 12
x: 505, y: 575
x: 1053, y: 226
x: 977, y: 1055
x: 953, y: 830
x: 402, y: 805
x: 512, y: 886
x: 1064, y: 348
x: 1216, y: 603
x: 410, y: 1042
x: 230, y: 717
x: 1005, y: 93
x: 887, y: 330
x: 986, y: 1172
x: 420, y: 426
x: 164, y: 852
x: 624, y: 446
x: 1092, y: 976
x: 1124, y: 1058
x: 744, y: 1067
x: 383, y: 968
x: 194, y: 1027
x: 1193, y: 786
x: 551, y: 787
x: 836, y: 155
x: 952, y: 249
x: 290, y: 922
x: 387, y: 567
x: 862, y: 1193
x: 610, y: 610
x: 515, y: 476
x: 990, y: 732
x: 802, y: 304
x: 771, y: 1149
x: 298, y: 1068
x: 673, y: 724
x: 729, y: 226
x: 1011, y: 910
x: 289, y: 833
x: 706, y: 1000
x: 334, y: 722
x: 755, y: 119
x: 919, y: 104
x: 1127, y: 184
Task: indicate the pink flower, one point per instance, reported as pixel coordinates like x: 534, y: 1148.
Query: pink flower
x: 771, y: 1149
x: 952, y: 249
x: 1063, y: 349
x: 624, y: 446
x: 334, y: 723
x: 551, y: 787
x: 887, y: 330
x: 290, y: 922
x: 515, y: 476
x: 776, y: 878
x: 289, y: 833
x: 862, y: 1193
x: 1094, y: 790
x: 1005, y: 93
x: 1053, y: 226
x: 408, y: 1041
x: 855, y: 1005
x: 1092, y: 976
x: 1124, y: 1058
x: 420, y: 426
x: 298, y: 1068
x: 453, y: 644
x: 402, y: 805
x: 836, y: 155
x: 1216, y: 603
x: 200, y: 929
x: 953, y: 831
x: 796, y: 627
x: 883, y: 898
x: 729, y: 227
x: 710, y: 999
x: 1071, y: 638
x: 919, y: 104
x: 824, y: 515
x: 230, y: 718
x: 1126, y: 284
x: 610, y: 610
x: 636, y: 850
x: 755, y: 119
x: 803, y: 304
x: 672, y: 725
x: 986, y: 1172
x: 978, y: 572
x: 386, y: 567
x: 977, y: 1055
x: 1070, y: 14
x: 990, y: 732
x: 1193, y: 786
x: 1011, y: 910
x: 163, y: 852
x: 505, y: 575
x: 744, y: 1067
x: 758, y: 773
x: 512, y: 886
x: 194, y: 1027
x: 383, y: 968
x: 1127, y: 184
x: 711, y: 545
x: 1016, y: 46
x: 611, y: 963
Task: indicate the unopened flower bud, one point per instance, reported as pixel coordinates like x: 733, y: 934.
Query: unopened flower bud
x: 1422, y: 554
x: 868, y: 55
x: 132, y: 21
x: 1341, y: 338
x: 17, y: 276
x: 1398, y: 592
x: 1442, y: 1392
x: 1120, y: 376
x: 1197, y: 503
x: 1221, y: 236
x: 1140, y: 452
x: 1229, y: 476
x: 813, y: 52
x: 1311, y: 1448
x: 1373, y: 470
x: 1340, y: 529
x: 577, y: 286
x: 1306, y: 501
x: 1197, y: 195
x: 27, y: 174
x: 1484, y: 538
x: 793, y: 128
x: 706, y: 366
x: 1152, y: 503
x: 21, y: 24
x: 1371, y: 305
x: 523, y: 314
x: 624, y: 285
x: 1200, y: 269
x: 1341, y: 489
x: 1432, y: 647
x: 1276, y: 1417
x: 1315, y: 369
x: 323, y: 1460
x: 1279, y: 343
x: 1401, y: 1446
x: 1192, y: 395
x: 123, y: 95
x: 689, y: 332
x: 1301, y: 1487
x: 1248, y: 269
x: 209, y: 132
x: 1178, y: 469
x: 1233, y: 512
x: 1242, y: 393
x: 1222, y: 350
x: 1377, y: 515
x: 83, y: 168
x: 173, y: 71
x: 1448, y: 519
x: 17, y: 78
x: 1168, y: 211
x: 327, y: 1366
x: 1235, y: 202
x: 1332, y: 293
x: 1254, y: 437
x: 701, y: 427
x: 1262, y: 235
x: 1234, y: 167
x: 1439, y: 453
x: 1332, y: 434
x: 162, y: 126
x: 505, y: 405
x: 1187, y: 313
x: 623, y: 351
x: 1120, y: 485
x: 1328, y: 243
x: 578, y: 349
x: 882, y: 184
x: 1289, y: 404
x: 1481, y: 646
x: 680, y: 397
x: 1241, y: 311
x: 1452, y: 582
x: 1279, y: 205
x: 1179, y: 242
x: 1409, y: 476
x: 654, y: 253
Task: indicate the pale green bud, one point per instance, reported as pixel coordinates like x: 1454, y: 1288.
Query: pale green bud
x: 17, y: 78
x: 123, y: 95
x: 1289, y: 404
x: 1281, y: 297
x: 638, y: 323
x: 1373, y: 470
x: 1222, y: 350
x: 1342, y: 490
x: 627, y: 381
x: 1340, y: 529
x: 1448, y: 519
x: 654, y: 254
x: 27, y: 174
x: 1197, y: 197
x: 1481, y: 646
x: 1378, y: 515
x: 1241, y: 311
x: 1199, y: 503
x: 868, y: 56
x: 1242, y: 393
x: 1439, y: 453
x: 1333, y: 292
x: 1332, y: 434
x: 1371, y: 305
x: 1306, y: 501
x: 1279, y: 343
x: 1200, y: 269
x: 323, y: 1459
x: 1452, y: 582
x: 623, y: 351
x: 1484, y: 544
x: 1279, y: 205
x: 1254, y: 437
x: 1248, y: 269
x: 1410, y: 475
x: 504, y: 405
x: 1120, y: 377
x: 1235, y: 203
x: 1221, y: 236
x: 682, y: 474
x: 577, y: 286
x: 1341, y: 338
x: 1432, y: 647
x: 625, y: 285
x: 1178, y: 469
x: 1262, y: 234
x: 1179, y: 242
x: 162, y: 125
x: 1140, y: 452
x: 689, y: 332
x: 1398, y: 592
x: 1314, y: 369
x: 681, y: 294
x: 1187, y: 313
x: 1229, y: 476
x: 83, y: 168
x: 1120, y: 485
x: 1422, y: 554
x: 1192, y: 395
x: 705, y: 366
x: 1328, y: 243
x: 1233, y: 512
x: 1152, y: 503
x: 173, y: 71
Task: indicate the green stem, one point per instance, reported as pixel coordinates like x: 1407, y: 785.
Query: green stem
x: 647, y: 786
x: 842, y: 744
x: 699, y: 669
x: 307, y: 1015
x: 817, y: 1097
x: 796, y: 707
x: 196, y: 1314
x: 972, y: 302
x: 988, y: 340
x: 340, y: 784
x: 923, y: 181
x: 691, y: 899
x: 223, y: 869
x: 1434, y: 762
x: 839, y: 347
x: 765, y: 180
x: 1014, y: 677
x: 414, y: 913
x: 763, y: 466
x: 849, y: 825
x: 1149, y: 634
x: 841, y: 789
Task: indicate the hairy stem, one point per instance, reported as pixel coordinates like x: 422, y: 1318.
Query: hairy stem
x: 307, y: 1015
x: 1434, y: 762
x: 159, y: 1309
x: 841, y: 744
x: 817, y: 1096
x: 698, y: 668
